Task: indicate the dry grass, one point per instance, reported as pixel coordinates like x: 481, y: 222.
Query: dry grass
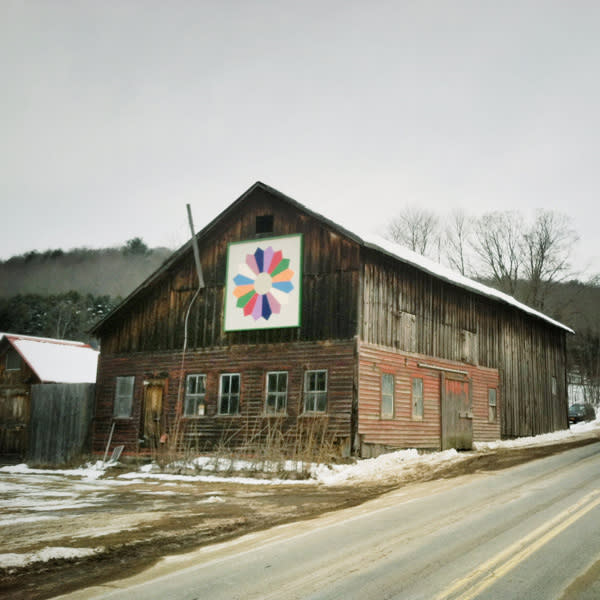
x: 267, y: 446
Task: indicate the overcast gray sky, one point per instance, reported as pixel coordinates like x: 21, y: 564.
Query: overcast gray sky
x: 115, y: 114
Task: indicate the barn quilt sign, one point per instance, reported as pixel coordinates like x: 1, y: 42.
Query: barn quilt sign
x: 263, y: 286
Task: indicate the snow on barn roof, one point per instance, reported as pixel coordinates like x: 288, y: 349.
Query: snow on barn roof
x: 441, y: 272
x: 394, y: 250
x: 56, y: 361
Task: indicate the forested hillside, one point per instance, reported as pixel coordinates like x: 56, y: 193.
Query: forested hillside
x: 108, y: 271
x: 578, y: 305
x: 62, y: 294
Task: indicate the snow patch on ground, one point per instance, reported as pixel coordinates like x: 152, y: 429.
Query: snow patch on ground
x: 385, y: 466
x: 224, y: 465
x: 44, y: 555
x: 393, y: 464
x: 211, y: 500
x: 139, y: 477
x: 587, y: 426
x: 89, y: 472
x: 540, y: 440
x: 12, y: 520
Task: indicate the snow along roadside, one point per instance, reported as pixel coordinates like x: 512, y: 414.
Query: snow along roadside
x: 390, y: 465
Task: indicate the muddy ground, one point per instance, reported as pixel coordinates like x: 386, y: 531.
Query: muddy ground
x: 135, y: 524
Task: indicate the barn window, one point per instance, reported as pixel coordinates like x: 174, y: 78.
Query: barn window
x: 417, y: 398
x: 554, y: 386
x: 123, y: 397
x: 469, y: 347
x: 315, y: 391
x: 195, y: 393
x: 264, y: 224
x: 387, y: 396
x: 408, y: 332
x: 13, y: 360
x: 229, y: 394
x: 277, y: 382
x: 492, y: 405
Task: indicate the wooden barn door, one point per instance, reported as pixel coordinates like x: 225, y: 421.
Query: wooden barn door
x: 457, y: 415
x: 14, y: 420
x: 153, y: 425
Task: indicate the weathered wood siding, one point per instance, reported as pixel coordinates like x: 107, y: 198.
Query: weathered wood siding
x: 60, y: 423
x: 402, y: 430
x: 348, y: 292
x: 14, y: 416
x: 409, y: 310
x: 330, y: 288
x: 252, y: 363
x: 14, y: 406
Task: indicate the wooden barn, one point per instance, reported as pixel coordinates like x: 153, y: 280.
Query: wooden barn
x: 305, y: 325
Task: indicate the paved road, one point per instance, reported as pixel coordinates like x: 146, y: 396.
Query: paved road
x: 530, y: 532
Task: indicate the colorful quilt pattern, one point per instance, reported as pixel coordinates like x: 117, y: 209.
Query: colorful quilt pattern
x: 263, y: 281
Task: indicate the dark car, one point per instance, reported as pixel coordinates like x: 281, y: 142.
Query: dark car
x: 581, y: 412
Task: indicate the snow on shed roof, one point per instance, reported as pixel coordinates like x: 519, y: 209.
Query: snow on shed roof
x: 56, y: 361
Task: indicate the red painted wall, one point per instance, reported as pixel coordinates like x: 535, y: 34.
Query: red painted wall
x: 402, y: 431
x: 252, y: 362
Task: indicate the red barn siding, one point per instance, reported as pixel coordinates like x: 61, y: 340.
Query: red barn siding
x: 403, y: 431
x: 252, y: 362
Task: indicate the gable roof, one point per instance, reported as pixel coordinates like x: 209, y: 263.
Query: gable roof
x: 55, y: 361
x: 365, y: 239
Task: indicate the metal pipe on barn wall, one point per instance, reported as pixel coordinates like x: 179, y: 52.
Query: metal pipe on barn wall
x: 179, y: 408
x: 195, y: 247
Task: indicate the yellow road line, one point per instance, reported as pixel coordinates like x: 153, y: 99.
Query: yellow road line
x: 494, y: 568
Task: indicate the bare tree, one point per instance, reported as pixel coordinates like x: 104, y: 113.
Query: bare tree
x: 457, y: 241
x: 497, y: 241
x: 547, y: 246
x: 417, y: 229
x: 64, y: 314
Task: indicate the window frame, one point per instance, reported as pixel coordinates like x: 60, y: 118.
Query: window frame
x: 229, y: 395
x: 315, y: 394
x: 277, y: 394
x: 493, y: 418
x: 264, y: 224
x: 417, y: 415
x: 197, y: 398
x: 390, y: 396
x: 121, y: 398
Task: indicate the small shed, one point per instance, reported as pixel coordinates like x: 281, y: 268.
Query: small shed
x: 27, y: 361
x: 305, y: 325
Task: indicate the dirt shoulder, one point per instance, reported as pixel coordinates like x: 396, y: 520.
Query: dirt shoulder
x: 135, y: 526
